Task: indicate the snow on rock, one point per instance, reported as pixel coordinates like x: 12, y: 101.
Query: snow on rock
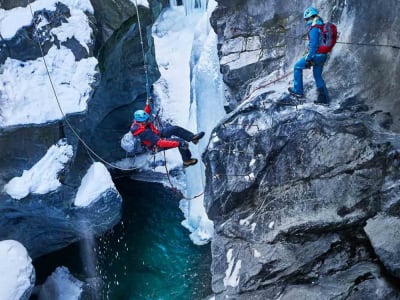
x: 61, y: 285
x: 232, y: 273
x: 141, y: 2
x: 25, y: 85
x: 42, y: 178
x: 96, y: 181
x: 17, y: 274
x: 13, y: 19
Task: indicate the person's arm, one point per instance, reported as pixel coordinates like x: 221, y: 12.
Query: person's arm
x: 313, y: 44
x: 147, y: 108
x: 167, y: 143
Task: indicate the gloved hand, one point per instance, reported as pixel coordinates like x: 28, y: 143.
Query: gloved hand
x: 183, y: 145
x: 309, y: 64
x: 149, y: 100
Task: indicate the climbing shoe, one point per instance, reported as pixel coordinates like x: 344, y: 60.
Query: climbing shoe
x: 197, y: 137
x: 294, y: 93
x: 323, y: 98
x: 289, y: 100
x: 189, y: 162
x: 324, y: 103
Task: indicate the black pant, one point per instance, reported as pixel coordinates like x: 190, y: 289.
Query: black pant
x: 181, y: 134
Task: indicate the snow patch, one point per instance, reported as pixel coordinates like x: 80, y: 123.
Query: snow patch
x: 232, y: 273
x: 96, y: 181
x: 25, y: 87
x: 271, y: 225
x: 246, y: 221
x: 42, y: 178
x: 256, y: 253
x: 141, y: 2
x: 16, y: 18
x: 17, y: 273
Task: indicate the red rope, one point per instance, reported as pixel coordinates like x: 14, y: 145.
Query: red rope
x: 273, y: 81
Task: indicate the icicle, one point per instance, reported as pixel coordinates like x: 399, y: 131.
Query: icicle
x: 172, y: 3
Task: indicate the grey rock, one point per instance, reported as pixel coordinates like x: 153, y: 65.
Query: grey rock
x: 384, y: 234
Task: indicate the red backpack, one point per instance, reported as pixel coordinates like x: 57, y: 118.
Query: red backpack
x: 329, y: 37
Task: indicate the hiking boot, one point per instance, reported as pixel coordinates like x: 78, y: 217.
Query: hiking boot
x: 323, y: 98
x: 189, y: 162
x: 197, y: 137
x: 289, y: 100
x: 294, y: 93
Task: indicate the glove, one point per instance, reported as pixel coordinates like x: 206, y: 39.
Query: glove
x: 309, y: 64
x: 183, y: 145
x: 149, y: 100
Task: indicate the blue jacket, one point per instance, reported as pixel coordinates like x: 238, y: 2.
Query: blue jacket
x: 314, y: 36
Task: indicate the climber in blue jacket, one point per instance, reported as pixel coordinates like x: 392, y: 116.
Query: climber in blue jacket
x: 313, y: 58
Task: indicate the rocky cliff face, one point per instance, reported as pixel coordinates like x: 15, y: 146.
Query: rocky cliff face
x: 306, y: 200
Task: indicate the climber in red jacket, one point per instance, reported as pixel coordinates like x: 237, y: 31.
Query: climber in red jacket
x: 156, y: 139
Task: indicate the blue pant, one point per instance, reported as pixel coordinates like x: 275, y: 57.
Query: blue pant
x: 181, y: 134
x: 319, y: 60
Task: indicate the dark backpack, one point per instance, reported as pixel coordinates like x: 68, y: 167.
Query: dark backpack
x: 329, y: 36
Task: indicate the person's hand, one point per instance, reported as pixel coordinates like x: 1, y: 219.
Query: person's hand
x: 149, y: 100
x: 309, y: 64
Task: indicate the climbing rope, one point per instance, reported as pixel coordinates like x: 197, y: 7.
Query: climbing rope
x: 176, y: 190
x: 143, y: 53
x: 87, y: 147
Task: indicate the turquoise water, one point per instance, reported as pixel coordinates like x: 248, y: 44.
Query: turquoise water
x: 149, y: 255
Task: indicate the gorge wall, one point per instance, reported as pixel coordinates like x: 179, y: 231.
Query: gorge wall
x: 305, y: 200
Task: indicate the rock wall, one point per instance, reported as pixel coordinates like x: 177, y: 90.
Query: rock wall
x: 257, y: 38
x: 44, y: 223
x: 305, y: 200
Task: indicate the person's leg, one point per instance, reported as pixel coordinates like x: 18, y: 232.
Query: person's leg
x: 183, y: 149
x: 298, y: 76
x: 177, y: 131
x: 323, y: 96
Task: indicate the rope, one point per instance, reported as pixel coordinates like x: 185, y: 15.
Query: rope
x: 88, y: 148
x: 143, y: 53
x: 176, y: 190
x: 345, y: 43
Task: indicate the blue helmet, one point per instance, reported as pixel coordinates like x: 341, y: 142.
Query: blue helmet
x: 141, y: 116
x: 310, y: 12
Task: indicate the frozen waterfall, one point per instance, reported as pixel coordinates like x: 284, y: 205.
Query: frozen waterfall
x: 189, y: 89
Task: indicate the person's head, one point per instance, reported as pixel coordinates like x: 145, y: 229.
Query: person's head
x: 141, y: 116
x: 309, y: 15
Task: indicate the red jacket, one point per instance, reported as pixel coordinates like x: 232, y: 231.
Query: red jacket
x: 149, y: 135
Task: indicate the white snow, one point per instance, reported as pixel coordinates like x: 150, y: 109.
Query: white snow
x: 61, y: 285
x: 42, y: 178
x: 271, y: 225
x: 16, y: 270
x: 246, y: 221
x: 140, y: 2
x: 12, y: 20
x: 232, y: 272
x: 256, y: 253
x: 25, y: 86
x: 96, y: 181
